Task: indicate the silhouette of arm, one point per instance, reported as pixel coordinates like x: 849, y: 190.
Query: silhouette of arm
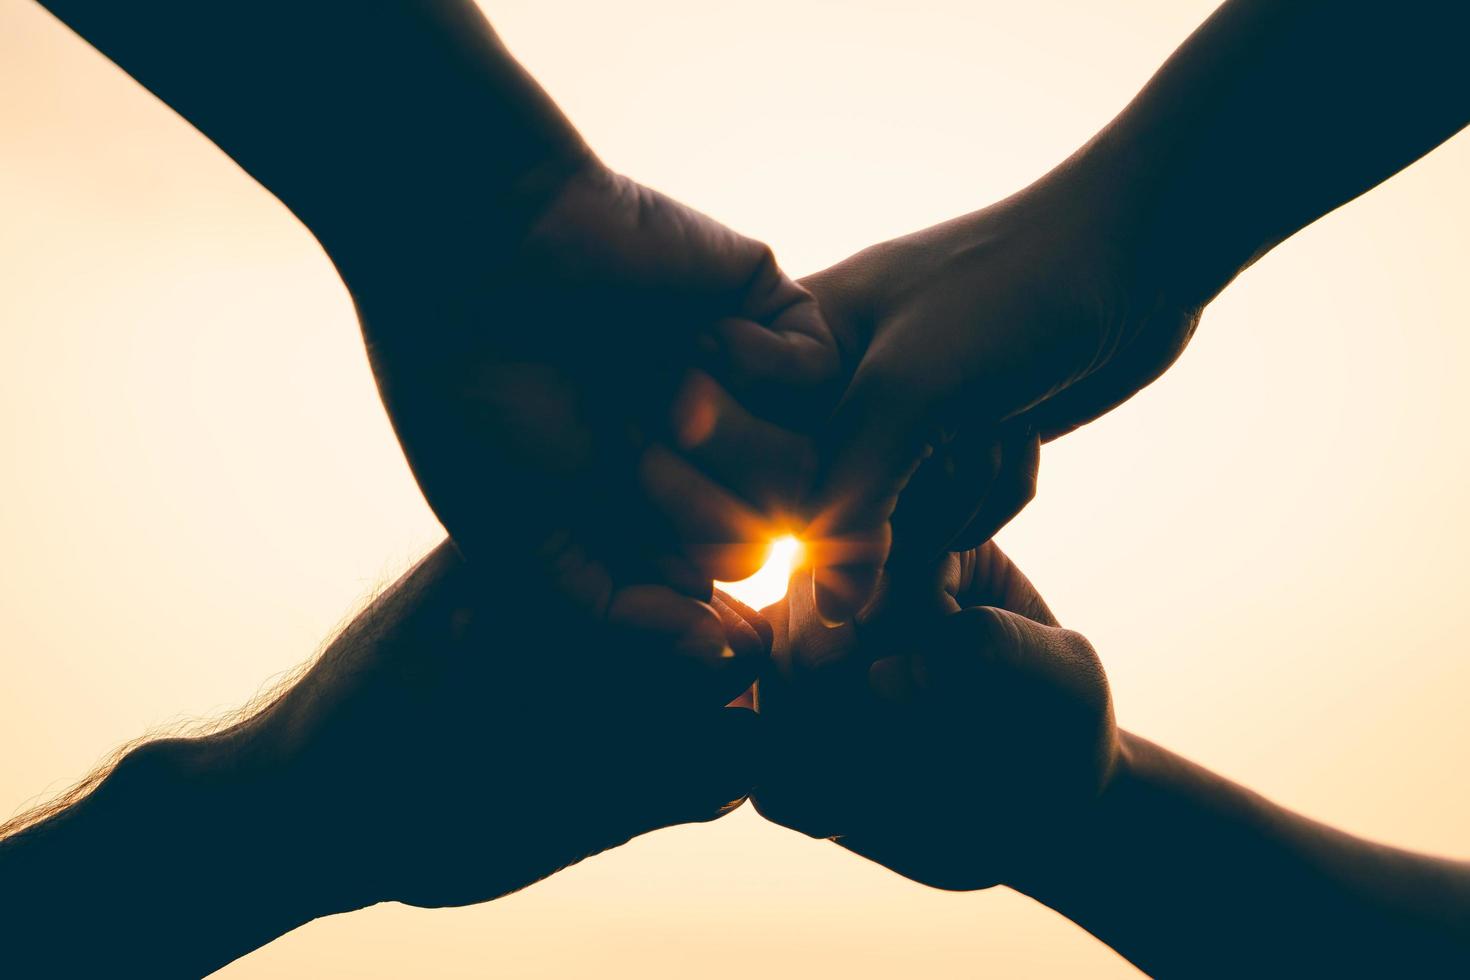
x: 535, y: 321
x: 1039, y: 313
x: 446, y: 749
x: 155, y: 872
x: 1273, y: 113
x: 370, y: 120
x: 1188, y: 874
x: 975, y: 746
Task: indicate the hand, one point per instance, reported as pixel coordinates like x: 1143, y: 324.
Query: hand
x: 969, y: 344
x: 550, y: 402
x: 532, y: 318
x: 447, y: 749
x: 953, y: 755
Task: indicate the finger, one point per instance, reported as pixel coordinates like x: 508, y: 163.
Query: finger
x: 784, y: 374
x: 691, y: 627
x: 780, y: 355
x: 986, y: 577
x: 871, y: 448
x: 909, y: 599
x: 740, y: 633
x: 722, y: 535
x: 943, y: 496
x: 792, y: 315
x: 1013, y: 487
x: 796, y: 352
x: 985, y: 641
x: 765, y: 464
x: 725, y: 603
x: 670, y: 647
x: 845, y: 571
x: 811, y: 647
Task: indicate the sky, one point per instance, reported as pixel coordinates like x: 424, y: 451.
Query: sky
x: 1266, y: 547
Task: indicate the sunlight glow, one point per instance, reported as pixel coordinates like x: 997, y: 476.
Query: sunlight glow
x: 768, y: 585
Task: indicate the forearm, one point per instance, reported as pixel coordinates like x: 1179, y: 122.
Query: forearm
x: 192, y: 852
x: 1272, y: 114
x: 388, y: 122
x: 1186, y: 873
x: 160, y: 871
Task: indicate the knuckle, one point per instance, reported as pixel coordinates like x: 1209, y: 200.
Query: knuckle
x: 765, y: 261
x: 1079, y: 645
x: 1027, y: 488
x: 991, y: 630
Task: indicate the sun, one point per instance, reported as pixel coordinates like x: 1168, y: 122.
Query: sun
x: 769, y: 584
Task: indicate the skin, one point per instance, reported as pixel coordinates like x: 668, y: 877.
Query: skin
x: 447, y: 748
x: 539, y: 326
x: 962, y: 738
x: 887, y: 734
x: 962, y: 747
x: 969, y: 343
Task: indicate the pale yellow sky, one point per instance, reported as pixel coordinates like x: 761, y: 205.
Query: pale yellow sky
x: 1266, y: 547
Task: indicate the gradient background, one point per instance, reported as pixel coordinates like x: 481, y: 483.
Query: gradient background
x: 1267, y: 547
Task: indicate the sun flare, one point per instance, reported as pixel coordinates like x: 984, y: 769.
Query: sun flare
x: 769, y: 584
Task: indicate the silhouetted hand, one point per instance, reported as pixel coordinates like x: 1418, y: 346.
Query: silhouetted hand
x: 552, y: 407
x: 1018, y: 323
x: 949, y: 744
x: 450, y: 748
x: 451, y: 745
x: 969, y: 343
x: 534, y: 321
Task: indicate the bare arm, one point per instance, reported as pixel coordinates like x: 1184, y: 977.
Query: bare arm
x: 372, y: 121
x: 1188, y: 874
x: 535, y: 322
x: 446, y: 749
x: 1269, y: 116
x: 1027, y: 319
x: 156, y: 872
x: 992, y: 757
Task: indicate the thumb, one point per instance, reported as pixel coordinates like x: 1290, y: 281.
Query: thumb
x: 1033, y: 669
x: 1004, y: 640
x: 777, y: 355
x: 873, y: 443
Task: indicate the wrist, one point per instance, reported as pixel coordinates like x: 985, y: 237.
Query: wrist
x: 1069, y: 854
x: 263, y: 801
x: 161, y: 862
x: 234, y: 869
x: 1129, y: 189
x: 452, y: 152
x: 1104, y: 221
x: 444, y: 231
